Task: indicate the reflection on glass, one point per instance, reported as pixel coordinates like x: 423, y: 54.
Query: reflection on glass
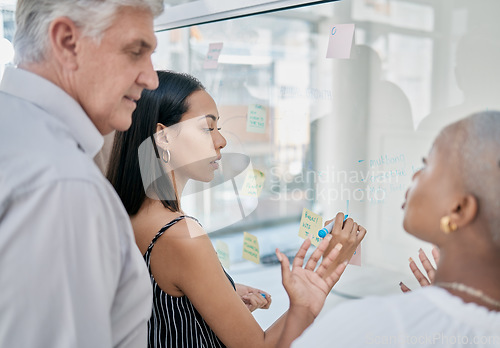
x: 335, y: 130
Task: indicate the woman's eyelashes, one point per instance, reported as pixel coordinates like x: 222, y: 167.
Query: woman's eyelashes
x: 211, y: 129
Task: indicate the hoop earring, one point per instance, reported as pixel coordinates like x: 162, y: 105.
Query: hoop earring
x: 446, y: 225
x: 163, y: 156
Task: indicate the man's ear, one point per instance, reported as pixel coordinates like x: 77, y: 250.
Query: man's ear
x: 465, y: 211
x: 64, y: 35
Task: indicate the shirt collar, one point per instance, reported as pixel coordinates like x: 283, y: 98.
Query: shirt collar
x: 56, y: 102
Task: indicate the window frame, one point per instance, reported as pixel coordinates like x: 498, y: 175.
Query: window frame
x: 208, y: 11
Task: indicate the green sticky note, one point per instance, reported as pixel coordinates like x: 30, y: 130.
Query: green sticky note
x: 223, y: 253
x: 256, y: 118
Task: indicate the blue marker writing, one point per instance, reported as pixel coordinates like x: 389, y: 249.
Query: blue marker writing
x: 328, y: 228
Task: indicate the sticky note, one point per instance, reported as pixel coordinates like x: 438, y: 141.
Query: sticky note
x: 310, y: 224
x: 251, y: 247
x: 254, y: 182
x: 356, y: 257
x: 256, y: 118
x: 223, y: 253
x: 340, y: 41
x: 212, y: 59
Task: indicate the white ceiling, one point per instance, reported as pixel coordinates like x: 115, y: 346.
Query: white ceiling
x: 8, y: 5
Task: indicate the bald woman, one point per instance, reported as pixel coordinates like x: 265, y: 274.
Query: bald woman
x: 453, y: 203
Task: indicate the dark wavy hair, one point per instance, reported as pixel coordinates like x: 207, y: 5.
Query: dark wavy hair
x: 164, y: 105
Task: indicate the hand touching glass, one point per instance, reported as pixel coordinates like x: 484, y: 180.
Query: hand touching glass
x: 306, y: 287
x: 429, y: 269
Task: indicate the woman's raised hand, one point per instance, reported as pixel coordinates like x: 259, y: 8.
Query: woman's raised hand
x: 429, y: 269
x: 307, y: 287
x: 349, y: 234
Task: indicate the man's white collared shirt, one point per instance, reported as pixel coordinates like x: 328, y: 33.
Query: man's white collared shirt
x: 70, y: 272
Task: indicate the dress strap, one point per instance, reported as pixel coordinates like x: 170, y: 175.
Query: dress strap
x: 167, y: 226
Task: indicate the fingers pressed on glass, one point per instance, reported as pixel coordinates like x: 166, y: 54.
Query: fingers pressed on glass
x: 435, y: 255
x: 427, y: 265
x: 361, y: 234
x: 329, y: 259
x: 404, y: 288
x: 334, y: 277
x: 316, y: 255
x: 348, y: 224
x: 418, y: 274
x: 355, y: 228
x: 338, y: 225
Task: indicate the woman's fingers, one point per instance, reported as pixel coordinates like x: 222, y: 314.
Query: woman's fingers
x: 285, y: 266
x: 265, y: 297
x: 328, y: 260
x: 251, y: 302
x: 339, y: 223
x: 348, y: 224
x: 403, y: 287
x: 334, y: 277
x: 298, y: 261
x: 361, y: 234
x: 431, y: 272
x: 416, y: 272
x: 256, y: 300
x: 316, y: 255
x: 435, y: 255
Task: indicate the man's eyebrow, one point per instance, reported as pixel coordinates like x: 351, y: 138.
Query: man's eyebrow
x: 139, y: 42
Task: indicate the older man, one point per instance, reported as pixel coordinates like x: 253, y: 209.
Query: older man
x: 70, y: 272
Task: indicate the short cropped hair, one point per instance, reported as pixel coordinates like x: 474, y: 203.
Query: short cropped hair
x: 33, y: 18
x: 477, y: 145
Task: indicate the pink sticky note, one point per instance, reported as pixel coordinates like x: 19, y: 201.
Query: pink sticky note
x: 212, y: 59
x: 356, y: 257
x: 340, y: 41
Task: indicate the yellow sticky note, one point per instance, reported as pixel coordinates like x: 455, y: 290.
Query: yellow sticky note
x: 251, y: 248
x: 310, y: 224
x: 223, y: 253
x: 254, y: 182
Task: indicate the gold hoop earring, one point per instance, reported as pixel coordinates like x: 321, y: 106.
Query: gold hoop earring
x: 163, y: 156
x: 446, y: 225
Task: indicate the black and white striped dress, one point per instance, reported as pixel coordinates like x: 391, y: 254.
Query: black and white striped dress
x: 174, y: 321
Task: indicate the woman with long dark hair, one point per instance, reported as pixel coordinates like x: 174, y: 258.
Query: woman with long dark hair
x: 174, y: 137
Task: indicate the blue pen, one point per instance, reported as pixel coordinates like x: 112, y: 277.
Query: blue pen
x: 263, y: 295
x: 327, y: 229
